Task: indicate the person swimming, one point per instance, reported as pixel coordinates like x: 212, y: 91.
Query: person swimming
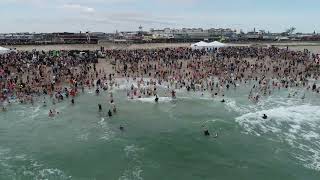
x: 156, y: 99
x: 223, y: 101
x: 109, y: 113
x: 264, y: 116
x: 72, y: 101
x: 121, y: 128
x: 100, y: 107
x: 51, y: 113
x: 206, y: 132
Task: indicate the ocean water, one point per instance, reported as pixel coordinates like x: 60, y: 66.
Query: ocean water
x: 164, y: 141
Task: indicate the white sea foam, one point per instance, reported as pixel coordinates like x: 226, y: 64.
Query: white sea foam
x: 265, y: 103
x: 108, y: 133
x: 194, y: 97
x: 134, y: 171
x: 84, y: 137
x: 152, y: 99
x: 132, y: 151
x: 132, y: 174
x: 296, y: 125
x: 232, y: 105
x: 52, y: 174
x: 124, y: 83
x: 30, y: 170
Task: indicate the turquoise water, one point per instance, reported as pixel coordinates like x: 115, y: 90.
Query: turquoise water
x: 164, y: 141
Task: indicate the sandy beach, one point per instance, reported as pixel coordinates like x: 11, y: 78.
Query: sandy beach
x: 311, y: 46
x: 138, y: 113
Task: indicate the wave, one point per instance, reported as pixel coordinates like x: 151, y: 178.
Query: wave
x: 134, y: 171
x: 152, y: 99
x: 264, y: 103
x: 29, y: 169
x: 297, y: 125
x: 108, y: 133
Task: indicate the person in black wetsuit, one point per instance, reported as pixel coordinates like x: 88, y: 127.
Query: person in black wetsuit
x: 98, y: 82
x: 173, y: 94
x: 156, y: 99
x: 314, y: 87
x: 206, y: 132
x: 121, y: 128
x: 264, y: 116
x: 109, y: 113
x: 100, y: 107
x: 72, y: 101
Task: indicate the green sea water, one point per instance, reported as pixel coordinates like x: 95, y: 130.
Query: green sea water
x: 164, y: 141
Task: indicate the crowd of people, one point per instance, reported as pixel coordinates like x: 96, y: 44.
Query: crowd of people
x: 27, y: 76
x: 198, y: 70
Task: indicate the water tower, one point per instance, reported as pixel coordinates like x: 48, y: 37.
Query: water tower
x: 140, y: 32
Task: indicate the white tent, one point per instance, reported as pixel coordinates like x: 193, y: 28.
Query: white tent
x: 217, y: 44
x: 4, y: 50
x: 200, y: 45
x: 204, y: 45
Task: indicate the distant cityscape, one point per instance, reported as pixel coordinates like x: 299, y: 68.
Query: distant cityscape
x: 157, y: 36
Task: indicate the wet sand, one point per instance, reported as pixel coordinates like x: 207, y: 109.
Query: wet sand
x: 312, y: 46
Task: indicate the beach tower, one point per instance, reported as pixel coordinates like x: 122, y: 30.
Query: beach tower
x: 140, y: 32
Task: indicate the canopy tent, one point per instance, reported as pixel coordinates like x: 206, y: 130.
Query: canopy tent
x: 217, y: 44
x: 204, y: 45
x: 199, y: 45
x: 4, y: 50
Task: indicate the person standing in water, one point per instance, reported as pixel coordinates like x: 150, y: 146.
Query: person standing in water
x: 109, y: 113
x: 114, y: 109
x: 173, y: 94
x: 156, y: 99
x: 44, y: 102
x: 100, y: 107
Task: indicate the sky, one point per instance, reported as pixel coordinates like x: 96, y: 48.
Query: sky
x: 128, y: 15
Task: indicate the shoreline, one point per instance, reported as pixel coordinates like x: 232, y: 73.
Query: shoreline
x: 151, y: 45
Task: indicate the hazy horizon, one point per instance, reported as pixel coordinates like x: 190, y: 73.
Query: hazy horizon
x: 127, y: 15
